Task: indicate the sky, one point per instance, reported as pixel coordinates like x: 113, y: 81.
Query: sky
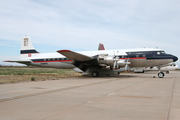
x: 80, y: 25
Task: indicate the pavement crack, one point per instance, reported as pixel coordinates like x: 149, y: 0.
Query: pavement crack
x: 169, y: 109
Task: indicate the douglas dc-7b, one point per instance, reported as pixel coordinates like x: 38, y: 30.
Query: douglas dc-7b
x: 95, y: 63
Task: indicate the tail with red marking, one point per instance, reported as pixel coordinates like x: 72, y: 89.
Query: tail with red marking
x: 27, y: 48
x: 101, y: 46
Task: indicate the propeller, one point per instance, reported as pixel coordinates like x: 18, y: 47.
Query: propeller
x: 115, y: 65
x: 127, y: 68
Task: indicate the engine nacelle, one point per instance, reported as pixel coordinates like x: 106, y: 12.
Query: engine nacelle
x: 105, y: 59
x: 121, y: 63
x: 109, y: 60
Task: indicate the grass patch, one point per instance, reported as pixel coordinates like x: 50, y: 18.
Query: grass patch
x: 33, y: 71
x: 14, y: 74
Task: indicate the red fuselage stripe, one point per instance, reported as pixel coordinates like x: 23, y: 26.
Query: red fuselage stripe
x: 134, y: 58
x: 52, y: 61
x: 72, y: 60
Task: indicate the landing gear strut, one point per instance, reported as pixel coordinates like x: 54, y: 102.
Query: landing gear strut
x: 95, y: 74
x: 160, y: 74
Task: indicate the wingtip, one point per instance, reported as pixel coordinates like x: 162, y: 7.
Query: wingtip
x: 7, y: 61
x: 59, y: 51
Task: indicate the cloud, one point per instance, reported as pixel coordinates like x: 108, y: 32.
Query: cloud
x: 83, y: 24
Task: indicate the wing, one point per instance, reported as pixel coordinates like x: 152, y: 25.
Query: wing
x: 81, y: 61
x: 22, y: 62
x: 74, y: 55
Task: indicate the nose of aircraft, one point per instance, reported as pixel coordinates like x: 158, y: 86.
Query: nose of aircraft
x: 175, y: 58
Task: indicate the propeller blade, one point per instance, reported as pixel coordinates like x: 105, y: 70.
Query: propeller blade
x: 114, y: 66
x: 127, y: 66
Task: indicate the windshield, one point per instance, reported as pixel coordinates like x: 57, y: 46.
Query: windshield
x: 160, y: 52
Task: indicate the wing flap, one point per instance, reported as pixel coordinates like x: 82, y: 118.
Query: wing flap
x: 74, y: 55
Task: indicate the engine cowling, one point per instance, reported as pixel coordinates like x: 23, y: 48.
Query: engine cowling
x: 105, y: 59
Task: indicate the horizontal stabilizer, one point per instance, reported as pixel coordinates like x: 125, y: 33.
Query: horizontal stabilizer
x: 22, y: 62
x: 74, y: 55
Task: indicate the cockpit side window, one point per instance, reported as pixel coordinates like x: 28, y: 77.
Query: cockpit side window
x: 162, y: 52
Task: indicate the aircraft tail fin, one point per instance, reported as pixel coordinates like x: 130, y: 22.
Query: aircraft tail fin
x: 101, y: 46
x: 26, y: 47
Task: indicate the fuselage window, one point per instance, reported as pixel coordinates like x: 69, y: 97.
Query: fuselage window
x: 163, y: 52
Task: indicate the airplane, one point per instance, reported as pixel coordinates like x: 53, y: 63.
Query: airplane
x: 95, y: 63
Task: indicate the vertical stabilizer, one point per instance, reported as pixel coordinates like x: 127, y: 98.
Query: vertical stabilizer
x: 101, y: 46
x: 26, y: 47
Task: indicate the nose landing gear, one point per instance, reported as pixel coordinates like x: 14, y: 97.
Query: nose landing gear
x: 160, y: 74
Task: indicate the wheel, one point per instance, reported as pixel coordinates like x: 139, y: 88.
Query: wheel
x: 95, y: 74
x: 160, y: 74
x: 167, y: 72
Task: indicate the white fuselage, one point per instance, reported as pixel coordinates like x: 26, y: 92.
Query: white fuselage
x: 56, y: 60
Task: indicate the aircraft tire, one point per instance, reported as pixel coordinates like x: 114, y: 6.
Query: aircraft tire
x: 95, y: 74
x: 160, y: 74
x: 167, y: 72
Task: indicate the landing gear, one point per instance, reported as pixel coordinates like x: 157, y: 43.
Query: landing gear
x: 167, y: 72
x: 95, y: 74
x: 160, y: 74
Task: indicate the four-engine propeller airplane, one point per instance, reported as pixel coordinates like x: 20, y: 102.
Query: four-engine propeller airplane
x: 95, y: 63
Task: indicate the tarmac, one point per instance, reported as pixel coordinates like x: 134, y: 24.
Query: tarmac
x: 130, y: 96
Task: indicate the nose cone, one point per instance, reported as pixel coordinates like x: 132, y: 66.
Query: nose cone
x: 175, y: 58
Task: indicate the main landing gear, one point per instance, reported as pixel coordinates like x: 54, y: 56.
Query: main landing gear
x: 95, y: 74
x: 160, y: 74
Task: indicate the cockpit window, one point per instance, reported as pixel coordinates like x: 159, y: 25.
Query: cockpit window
x: 162, y: 52
x: 158, y: 53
